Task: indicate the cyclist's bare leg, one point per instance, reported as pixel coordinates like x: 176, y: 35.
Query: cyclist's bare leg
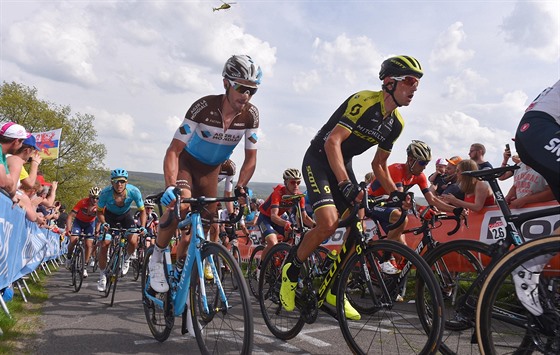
x: 72, y: 244
x: 270, y: 241
x: 102, y: 257
x: 397, y: 233
x: 326, y: 219
x: 89, y: 249
x: 214, y: 232
x: 132, y: 244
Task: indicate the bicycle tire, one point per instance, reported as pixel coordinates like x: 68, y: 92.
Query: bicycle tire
x: 395, y: 324
x: 281, y: 323
x: 252, y: 278
x: 224, y: 329
x: 503, y: 323
x: 456, y: 265
x: 109, y: 272
x: 160, y: 320
x: 78, y: 268
x: 137, y: 264
x: 116, y: 274
x: 73, y: 273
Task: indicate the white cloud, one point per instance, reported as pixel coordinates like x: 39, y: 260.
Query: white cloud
x: 54, y: 44
x: 447, y: 52
x: 306, y: 81
x: 180, y: 79
x: 464, y: 86
x: 114, y: 125
x: 348, y: 58
x: 534, y: 28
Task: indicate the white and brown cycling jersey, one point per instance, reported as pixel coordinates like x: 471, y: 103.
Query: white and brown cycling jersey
x: 203, y: 131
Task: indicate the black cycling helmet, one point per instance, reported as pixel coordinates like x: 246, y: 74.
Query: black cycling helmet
x: 242, y: 67
x: 399, y: 66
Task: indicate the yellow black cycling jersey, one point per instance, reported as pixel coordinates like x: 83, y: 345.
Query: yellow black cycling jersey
x: 363, y: 115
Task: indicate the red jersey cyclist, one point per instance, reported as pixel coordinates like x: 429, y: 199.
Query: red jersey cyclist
x: 82, y: 219
x: 270, y: 221
x: 405, y: 176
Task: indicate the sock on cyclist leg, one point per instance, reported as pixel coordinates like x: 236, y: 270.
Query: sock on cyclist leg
x: 293, y: 271
x: 157, y: 256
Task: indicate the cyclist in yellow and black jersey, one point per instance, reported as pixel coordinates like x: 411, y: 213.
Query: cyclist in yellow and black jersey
x: 364, y: 120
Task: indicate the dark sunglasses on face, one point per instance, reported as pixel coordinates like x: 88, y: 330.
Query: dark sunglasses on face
x: 423, y: 162
x: 119, y: 181
x: 407, y: 79
x: 242, y: 89
x: 94, y: 197
x: 295, y: 182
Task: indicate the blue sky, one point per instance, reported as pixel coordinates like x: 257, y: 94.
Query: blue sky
x: 138, y: 65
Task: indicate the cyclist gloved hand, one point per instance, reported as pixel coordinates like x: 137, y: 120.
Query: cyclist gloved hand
x: 426, y: 212
x: 239, y: 191
x: 168, y: 196
x: 457, y: 211
x: 397, y: 196
x: 349, y: 190
x: 288, y: 227
x: 143, y: 230
x: 105, y: 227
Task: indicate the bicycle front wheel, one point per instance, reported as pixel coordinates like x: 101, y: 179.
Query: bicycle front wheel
x: 116, y: 274
x: 160, y: 319
x: 78, y: 269
x: 221, y: 309
x: 110, y: 272
x: 283, y: 324
x: 252, y: 268
x: 527, y: 278
x: 390, y: 322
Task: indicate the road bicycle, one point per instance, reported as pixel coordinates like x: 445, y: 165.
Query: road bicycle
x: 386, y: 325
x: 217, y: 310
x: 293, y: 238
x: 473, y: 260
x: 518, y: 310
x: 137, y: 263
x: 114, y: 267
x: 77, y: 263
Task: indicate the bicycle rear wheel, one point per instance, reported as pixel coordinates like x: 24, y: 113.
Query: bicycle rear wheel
x: 503, y: 322
x: 252, y: 266
x: 283, y: 324
x: 456, y: 266
x: 227, y: 326
x: 389, y: 324
x: 78, y: 268
x: 160, y: 319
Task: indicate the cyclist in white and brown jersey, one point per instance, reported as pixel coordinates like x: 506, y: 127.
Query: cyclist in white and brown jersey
x: 212, y: 128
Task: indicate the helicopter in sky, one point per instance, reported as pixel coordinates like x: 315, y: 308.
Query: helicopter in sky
x: 224, y: 6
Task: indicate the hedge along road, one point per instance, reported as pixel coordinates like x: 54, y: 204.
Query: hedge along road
x: 83, y: 323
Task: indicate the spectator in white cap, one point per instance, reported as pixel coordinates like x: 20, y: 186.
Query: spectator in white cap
x: 437, y: 178
x: 12, y: 136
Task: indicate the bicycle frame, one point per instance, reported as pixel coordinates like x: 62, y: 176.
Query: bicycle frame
x: 179, y: 289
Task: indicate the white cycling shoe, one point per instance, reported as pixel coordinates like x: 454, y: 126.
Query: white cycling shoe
x: 157, y: 276
x: 102, y: 283
x: 526, y: 280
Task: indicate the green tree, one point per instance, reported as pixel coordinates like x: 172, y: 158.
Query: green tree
x: 80, y: 162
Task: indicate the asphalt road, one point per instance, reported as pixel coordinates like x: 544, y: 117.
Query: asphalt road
x: 83, y: 323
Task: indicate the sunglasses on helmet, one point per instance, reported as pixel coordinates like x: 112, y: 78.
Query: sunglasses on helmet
x: 243, y: 89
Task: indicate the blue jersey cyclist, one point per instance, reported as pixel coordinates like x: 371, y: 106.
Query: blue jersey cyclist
x: 114, y: 208
x: 212, y: 128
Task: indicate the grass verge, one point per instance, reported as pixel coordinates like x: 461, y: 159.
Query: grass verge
x: 23, y: 326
